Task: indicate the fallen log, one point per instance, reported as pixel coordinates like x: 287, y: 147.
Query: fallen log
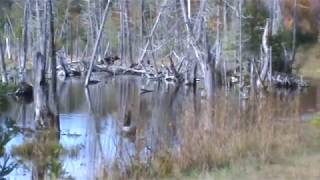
x: 283, y: 80
x: 119, y: 70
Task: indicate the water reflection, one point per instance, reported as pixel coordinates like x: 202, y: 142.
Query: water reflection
x: 91, y: 142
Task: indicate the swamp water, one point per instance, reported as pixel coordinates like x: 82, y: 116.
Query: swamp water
x: 91, y: 142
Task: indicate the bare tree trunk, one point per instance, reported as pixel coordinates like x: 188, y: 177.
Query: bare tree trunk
x: 143, y: 20
x: 25, y: 37
x: 93, y: 56
x: 71, y: 40
x: 54, y: 120
x: 2, y: 63
x: 10, y: 41
x: 77, y: 38
x: 52, y: 48
x: 40, y: 92
x: 240, y: 44
x: 210, y: 74
x: 265, y: 55
x: 8, y: 48
x: 185, y: 18
x: 225, y: 38
x: 45, y: 33
x: 66, y: 15
x: 192, y: 41
x: 189, y: 9
x: 122, y: 32
x: 276, y: 16
x: 129, y: 30
x: 294, y: 34
x: 218, y: 36
x: 39, y: 28
x: 144, y: 51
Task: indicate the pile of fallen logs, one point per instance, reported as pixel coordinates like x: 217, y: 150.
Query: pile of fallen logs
x: 111, y: 66
x: 283, y: 80
x: 167, y: 73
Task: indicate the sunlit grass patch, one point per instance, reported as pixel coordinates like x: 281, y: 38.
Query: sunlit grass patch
x: 309, y: 61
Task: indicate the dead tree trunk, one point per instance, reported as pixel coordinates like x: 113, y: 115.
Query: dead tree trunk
x: 54, y: 121
x: 45, y: 33
x: 25, y: 37
x: 122, y: 33
x: 294, y: 37
x: 39, y: 27
x: 265, y: 56
x: 240, y: 44
x: 93, y: 56
x: 143, y: 20
x: 45, y: 117
x: 148, y: 42
x: 129, y: 30
x: 52, y: 48
x: 40, y: 93
x: 209, y: 73
x: 203, y: 54
x: 2, y: 63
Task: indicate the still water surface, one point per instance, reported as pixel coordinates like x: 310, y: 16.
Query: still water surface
x: 91, y: 122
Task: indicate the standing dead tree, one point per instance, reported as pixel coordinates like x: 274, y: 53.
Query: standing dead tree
x: 45, y: 117
x: 25, y: 36
x: 202, y: 52
x: 52, y: 48
x: 151, y: 34
x: 265, y: 55
x: 126, y: 32
x: 4, y: 78
x: 93, y: 56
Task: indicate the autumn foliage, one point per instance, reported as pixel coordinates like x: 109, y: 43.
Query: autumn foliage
x: 308, y: 15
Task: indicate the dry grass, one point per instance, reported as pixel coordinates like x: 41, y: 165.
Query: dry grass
x: 43, y: 152
x: 45, y: 146
x: 265, y: 130
x: 308, y: 60
x: 304, y: 164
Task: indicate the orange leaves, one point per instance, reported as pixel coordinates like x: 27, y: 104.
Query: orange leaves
x: 307, y: 12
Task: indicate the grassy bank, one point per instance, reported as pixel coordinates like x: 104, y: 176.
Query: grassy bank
x: 308, y: 59
x: 302, y: 164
